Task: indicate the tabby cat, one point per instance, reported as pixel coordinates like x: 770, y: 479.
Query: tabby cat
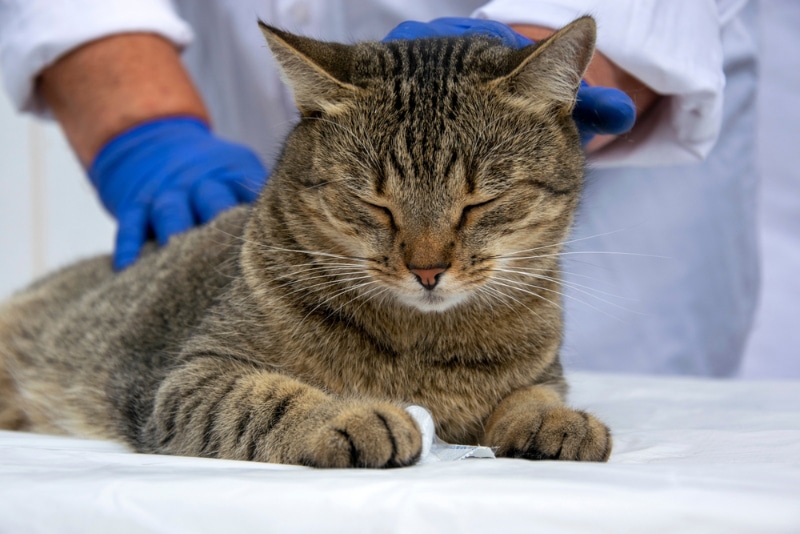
x: 405, y: 251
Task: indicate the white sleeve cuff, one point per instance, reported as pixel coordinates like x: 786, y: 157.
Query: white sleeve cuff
x: 672, y: 47
x: 34, y: 33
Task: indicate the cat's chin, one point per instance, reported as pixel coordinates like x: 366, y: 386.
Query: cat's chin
x: 432, y: 302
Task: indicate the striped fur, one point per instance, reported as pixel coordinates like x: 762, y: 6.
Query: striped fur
x: 388, y: 262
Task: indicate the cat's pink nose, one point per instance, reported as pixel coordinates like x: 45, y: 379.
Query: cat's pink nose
x: 428, y: 276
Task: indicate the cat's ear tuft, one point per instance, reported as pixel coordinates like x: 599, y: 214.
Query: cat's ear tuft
x: 318, y: 72
x: 551, y: 71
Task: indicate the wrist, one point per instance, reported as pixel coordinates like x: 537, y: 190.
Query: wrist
x: 110, y: 85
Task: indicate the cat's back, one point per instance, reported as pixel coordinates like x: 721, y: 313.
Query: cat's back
x: 192, y: 263
x: 87, y: 320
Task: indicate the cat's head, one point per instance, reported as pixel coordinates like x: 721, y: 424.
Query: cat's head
x: 432, y: 163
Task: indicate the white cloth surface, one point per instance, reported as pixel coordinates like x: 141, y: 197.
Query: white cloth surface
x: 690, y: 455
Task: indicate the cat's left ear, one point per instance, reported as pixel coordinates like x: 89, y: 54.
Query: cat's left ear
x: 318, y: 72
x: 550, y: 72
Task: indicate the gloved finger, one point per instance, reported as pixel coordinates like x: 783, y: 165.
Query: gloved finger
x: 604, y: 110
x: 454, y: 26
x: 170, y: 214
x: 211, y: 197
x: 412, y: 29
x: 492, y: 28
x: 131, y: 235
x: 243, y: 171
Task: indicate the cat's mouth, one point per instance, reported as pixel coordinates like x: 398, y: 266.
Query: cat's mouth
x: 433, y: 300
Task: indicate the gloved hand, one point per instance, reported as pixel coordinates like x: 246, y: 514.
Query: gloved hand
x: 166, y: 176
x: 598, y: 110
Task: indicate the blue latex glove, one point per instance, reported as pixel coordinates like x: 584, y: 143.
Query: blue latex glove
x: 168, y: 175
x: 598, y: 110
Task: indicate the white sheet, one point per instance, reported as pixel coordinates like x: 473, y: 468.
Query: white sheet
x: 690, y: 456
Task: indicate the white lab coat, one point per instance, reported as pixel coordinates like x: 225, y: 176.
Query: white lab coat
x: 677, y: 199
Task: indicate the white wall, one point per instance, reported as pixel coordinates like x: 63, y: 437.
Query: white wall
x: 774, y: 350
x: 48, y: 212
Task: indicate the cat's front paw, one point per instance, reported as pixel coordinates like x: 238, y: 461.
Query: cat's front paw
x: 377, y: 435
x: 551, y: 433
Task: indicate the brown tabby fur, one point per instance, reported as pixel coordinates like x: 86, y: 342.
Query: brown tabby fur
x: 405, y: 251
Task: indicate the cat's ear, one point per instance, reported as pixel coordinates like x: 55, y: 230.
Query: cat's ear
x: 318, y: 72
x: 551, y: 71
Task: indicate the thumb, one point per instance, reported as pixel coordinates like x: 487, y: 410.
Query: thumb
x: 604, y: 110
x: 131, y: 235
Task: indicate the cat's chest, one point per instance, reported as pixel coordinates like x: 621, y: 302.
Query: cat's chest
x: 460, y: 383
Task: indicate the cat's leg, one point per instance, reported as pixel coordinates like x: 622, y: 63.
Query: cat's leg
x: 219, y: 409
x: 11, y: 415
x: 533, y: 423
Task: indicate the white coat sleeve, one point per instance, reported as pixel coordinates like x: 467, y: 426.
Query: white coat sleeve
x: 672, y: 46
x: 34, y: 33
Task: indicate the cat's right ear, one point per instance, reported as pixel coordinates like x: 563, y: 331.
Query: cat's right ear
x: 550, y: 72
x: 318, y: 72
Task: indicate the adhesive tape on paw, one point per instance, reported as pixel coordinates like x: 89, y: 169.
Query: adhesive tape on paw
x: 425, y: 421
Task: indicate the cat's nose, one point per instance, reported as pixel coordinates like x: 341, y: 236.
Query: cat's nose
x: 428, y: 276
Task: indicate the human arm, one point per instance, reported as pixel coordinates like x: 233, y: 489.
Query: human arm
x: 133, y: 116
x: 137, y: 123
x: 109, y: 85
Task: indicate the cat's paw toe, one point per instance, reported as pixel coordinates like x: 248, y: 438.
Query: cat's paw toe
x: 554, y: 434
x: 376, y: 435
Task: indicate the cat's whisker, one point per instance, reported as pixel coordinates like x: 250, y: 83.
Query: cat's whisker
x: 485, y: 295
x: 499, y: 281
x: 367, y: 295
x: 565, y: 295
x: 573, y: 285
x: 489, y: 295
x: 316, y: 264
x: 289, y: 280
x: 562, y: 271
x: 507, y: 296
x: 577, y: 252
x: 325, y: 284
x: 380, y: 296
x: 311, y: 252
x: 299, y: 251
x: 321, y: 267
x: 578, y: 288
x: 337, y: 295
x: 562, y: 243
x: 320, y: 272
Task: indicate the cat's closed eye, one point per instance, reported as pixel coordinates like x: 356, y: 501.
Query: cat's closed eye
x: 471, y: 210
x: 383, y: 212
